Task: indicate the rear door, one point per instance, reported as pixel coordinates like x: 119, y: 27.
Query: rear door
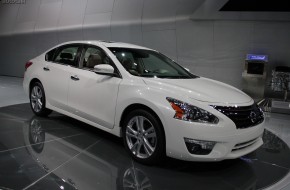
x: 56, y: 72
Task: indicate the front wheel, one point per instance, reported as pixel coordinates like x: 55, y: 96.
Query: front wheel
x: 143, y: 137
x: 37, y: 100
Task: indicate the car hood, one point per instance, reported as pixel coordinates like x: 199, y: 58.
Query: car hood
x: 201, y: 89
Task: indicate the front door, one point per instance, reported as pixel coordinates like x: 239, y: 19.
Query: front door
x: 93, y: 96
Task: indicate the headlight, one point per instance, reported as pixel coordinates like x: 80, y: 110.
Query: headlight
x: 187, y: 112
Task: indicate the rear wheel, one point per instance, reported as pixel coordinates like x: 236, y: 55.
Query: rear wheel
x: 37, y: 100
x: 143, y: 137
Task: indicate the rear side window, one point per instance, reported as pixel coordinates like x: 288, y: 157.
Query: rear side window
x: 50, y: 55
x: 67, y: 55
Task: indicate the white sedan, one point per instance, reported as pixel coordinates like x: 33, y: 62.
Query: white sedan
x: 157, y: 106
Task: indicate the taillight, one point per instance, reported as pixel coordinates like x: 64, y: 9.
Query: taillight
x: 28, y: 64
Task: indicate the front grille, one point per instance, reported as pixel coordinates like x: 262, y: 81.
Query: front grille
x: 244, y: 116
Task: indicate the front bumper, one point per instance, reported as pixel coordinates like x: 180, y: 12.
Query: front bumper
x: 230, y: 142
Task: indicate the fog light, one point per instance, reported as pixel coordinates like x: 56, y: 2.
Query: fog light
x: 199, y: 147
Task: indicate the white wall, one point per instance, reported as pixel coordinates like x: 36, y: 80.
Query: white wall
x: 214, y: 48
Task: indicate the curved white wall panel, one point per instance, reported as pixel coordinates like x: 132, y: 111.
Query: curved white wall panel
x: 26, y: 17
x: 193, y: 32
x: 126, y: 22
x: 97, y: 26
x: 159, y: 15
x: 8, y: 16
x: 48, y: 15
x: 161, y: 40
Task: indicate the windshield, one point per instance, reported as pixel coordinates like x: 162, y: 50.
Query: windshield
x: 148, y: 63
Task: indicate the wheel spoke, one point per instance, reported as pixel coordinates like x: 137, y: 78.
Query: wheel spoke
x: 38, y: 106
x: 148, y: 146
x: 33, y: 104
x: 131, y: 130
x: 134, y: 147
x: 39, y: 102
x: 139, y: 147
x: 35, y: 91
x: 147, y: 151
x: 33, y: 97
x: 150, y: 135
x: 39, y: 94
x: 131, y: 135
x: 140, y: 123
x: 149, y: 129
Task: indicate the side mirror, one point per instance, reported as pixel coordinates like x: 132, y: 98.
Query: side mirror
x: 104, y: 69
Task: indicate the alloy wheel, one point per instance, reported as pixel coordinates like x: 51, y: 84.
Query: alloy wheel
x: 141, y: 137
x: 36, y: 99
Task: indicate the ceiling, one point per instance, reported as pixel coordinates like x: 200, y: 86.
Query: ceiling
x: 252, y: 10
x: 257, y: 6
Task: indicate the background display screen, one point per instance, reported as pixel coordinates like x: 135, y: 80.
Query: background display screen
x: 255, y: 68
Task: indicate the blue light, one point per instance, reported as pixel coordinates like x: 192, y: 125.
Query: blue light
x: 255, y: 57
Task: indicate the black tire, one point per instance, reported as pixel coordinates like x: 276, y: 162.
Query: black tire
x: 158, y: 143
x: 41, y: 111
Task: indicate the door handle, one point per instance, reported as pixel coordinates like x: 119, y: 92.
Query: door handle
x: 75, y: 77
x: 45, y: 68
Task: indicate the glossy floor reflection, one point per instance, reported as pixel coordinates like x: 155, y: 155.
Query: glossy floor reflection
x: 59, y: 152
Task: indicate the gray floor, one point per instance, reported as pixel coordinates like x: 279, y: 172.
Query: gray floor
x: 11, y: 93
x: 279, y: 124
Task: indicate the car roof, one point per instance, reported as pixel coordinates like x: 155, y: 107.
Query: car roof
x: 108, y: 44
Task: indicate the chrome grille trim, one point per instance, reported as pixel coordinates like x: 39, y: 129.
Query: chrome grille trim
x: 243, y: 116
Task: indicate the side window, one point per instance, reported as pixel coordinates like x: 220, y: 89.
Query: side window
x: 94, y: 56
x: 49, y: 55
x: 67, y: 55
